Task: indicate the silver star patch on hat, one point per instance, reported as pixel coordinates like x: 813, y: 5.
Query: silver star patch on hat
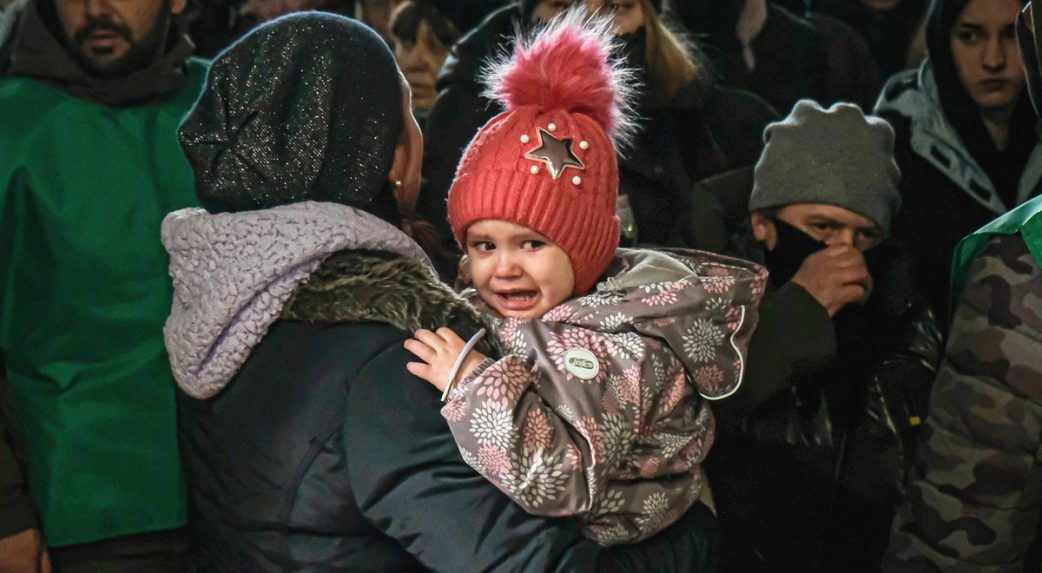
x: 555, y: 153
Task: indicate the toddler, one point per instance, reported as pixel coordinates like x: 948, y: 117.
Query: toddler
x: 597, y: 408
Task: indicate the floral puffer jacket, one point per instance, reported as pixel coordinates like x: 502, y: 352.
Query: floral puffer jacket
x: 598, y: 409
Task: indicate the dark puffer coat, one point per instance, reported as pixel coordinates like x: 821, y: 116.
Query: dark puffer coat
x: 810, y: 479
x: 321, y: 452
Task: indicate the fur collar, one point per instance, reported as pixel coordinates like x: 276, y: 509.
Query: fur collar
x: 373, y: 286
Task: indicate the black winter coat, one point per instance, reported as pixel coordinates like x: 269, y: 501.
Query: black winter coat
x: 889, y: 34
x: 324, y: 454
x: 923, y: 222
x: 810, y: 479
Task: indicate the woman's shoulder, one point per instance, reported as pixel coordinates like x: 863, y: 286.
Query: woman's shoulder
x: 725, y: 102
x: 733, y: 121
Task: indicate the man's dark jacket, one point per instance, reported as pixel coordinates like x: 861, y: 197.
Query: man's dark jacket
x: 809, y: 479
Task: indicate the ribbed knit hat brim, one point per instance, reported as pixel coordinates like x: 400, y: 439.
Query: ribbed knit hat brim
x: 837, y: 156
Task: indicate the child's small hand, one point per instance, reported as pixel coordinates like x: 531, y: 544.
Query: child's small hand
x: 438, y: 351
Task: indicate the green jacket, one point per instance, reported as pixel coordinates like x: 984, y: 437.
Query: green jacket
x: 84, y: 294
x: 1025, y: 220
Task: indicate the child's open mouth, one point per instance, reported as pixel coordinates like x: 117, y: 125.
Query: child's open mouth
x: 517, y: 299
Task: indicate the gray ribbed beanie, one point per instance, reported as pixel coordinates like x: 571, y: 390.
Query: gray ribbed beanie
x: 835, y: 157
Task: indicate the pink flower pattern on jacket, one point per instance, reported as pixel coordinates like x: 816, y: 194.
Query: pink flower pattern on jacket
x: 619, y: 445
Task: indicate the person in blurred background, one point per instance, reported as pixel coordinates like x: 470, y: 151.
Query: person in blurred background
x: 891, y: 28
x: 422, y: 33
x: 760, y: 46
x: 808, y: 480
x: 692, y: 126
x: 218, y: 23
x: 966, y: 139
x: 421, y: 38
x: 974, y: 497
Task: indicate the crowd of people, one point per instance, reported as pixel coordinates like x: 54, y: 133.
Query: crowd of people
x: 543, y: 285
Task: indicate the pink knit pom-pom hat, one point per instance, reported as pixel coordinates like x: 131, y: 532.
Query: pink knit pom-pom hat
x: 549, y: 161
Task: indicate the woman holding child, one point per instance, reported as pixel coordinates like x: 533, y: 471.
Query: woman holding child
x: 598, y: 407
x: 308, y: 445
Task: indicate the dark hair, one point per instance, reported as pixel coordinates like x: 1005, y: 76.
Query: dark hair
x: 407, y: 17
x: 957, y: 103
x: 962, y: 112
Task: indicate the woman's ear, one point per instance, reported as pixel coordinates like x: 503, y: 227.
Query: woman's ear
x: 405, y: 174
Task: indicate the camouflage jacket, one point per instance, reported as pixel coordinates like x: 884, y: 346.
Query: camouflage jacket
x: 975, y: 492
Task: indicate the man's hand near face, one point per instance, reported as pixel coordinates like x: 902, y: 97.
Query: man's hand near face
x: 835, y: 276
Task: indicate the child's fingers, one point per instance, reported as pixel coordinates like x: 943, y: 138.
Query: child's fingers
x: 418, y: 369
x: 422, y: 351
x: 424, y: 371
x: 450, y: 336
x: 430, y: 339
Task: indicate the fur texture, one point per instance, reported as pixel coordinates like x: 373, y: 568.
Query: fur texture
x: 373, y: 286
x: 568, y: 65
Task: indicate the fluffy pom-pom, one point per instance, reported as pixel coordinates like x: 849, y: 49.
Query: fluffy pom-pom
x: 567, y: 64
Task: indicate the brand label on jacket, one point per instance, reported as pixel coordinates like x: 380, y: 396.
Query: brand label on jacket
x: 581, y: 363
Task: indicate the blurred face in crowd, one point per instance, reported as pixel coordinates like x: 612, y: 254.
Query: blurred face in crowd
x: 823, y: 223
x: 112, y: 38
x: 420, y: 60
x: 421, y: 50
x: 516, y: 271
x: 627, y: 15
x: 984, y: 47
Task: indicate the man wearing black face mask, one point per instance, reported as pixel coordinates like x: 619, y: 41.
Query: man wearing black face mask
x: 91, y: 93
x: 808, y: 479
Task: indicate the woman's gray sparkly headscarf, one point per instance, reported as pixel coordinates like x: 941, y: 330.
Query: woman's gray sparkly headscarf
x: 307, y: 107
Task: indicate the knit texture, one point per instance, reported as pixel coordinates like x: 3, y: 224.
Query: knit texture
x: 837, y: 156
x: 234, y: 272
x: 549, y: 161
x: 307, y: 107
